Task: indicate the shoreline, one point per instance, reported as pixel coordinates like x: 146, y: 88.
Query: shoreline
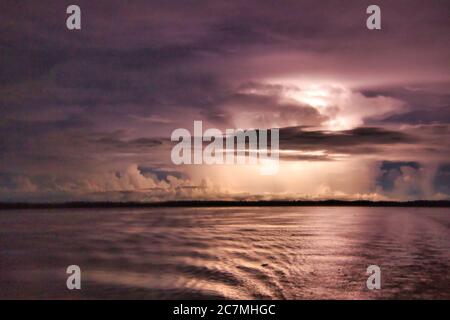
x: 217, y: 203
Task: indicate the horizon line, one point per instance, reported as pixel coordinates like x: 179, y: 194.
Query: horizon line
x: 222, y: 203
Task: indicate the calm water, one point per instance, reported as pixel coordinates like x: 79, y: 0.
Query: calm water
x: 248, y: 253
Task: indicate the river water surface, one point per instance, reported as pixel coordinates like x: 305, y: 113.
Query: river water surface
x: 230, y: 253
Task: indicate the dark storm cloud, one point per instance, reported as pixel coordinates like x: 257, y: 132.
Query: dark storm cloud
x: 390, y: 171
x: 303, y: 157
x: 157, y: 52
x: 414, y: 180
x: 115, y: 143
x: 422, y: 116
x: 403, y: 178
x: 442, y: 179
x: 355, y: 141
x: 265, y: 104
x: 358, y: 141
x: 162, y: 174
x: 426, y: 104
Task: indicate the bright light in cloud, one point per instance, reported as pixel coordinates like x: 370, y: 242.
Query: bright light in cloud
x: 344, y: 108
x: 316, y: 96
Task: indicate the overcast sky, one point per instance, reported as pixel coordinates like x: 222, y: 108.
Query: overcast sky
x: 88, y: 114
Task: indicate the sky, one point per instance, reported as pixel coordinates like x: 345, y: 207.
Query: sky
x: 87, y: 115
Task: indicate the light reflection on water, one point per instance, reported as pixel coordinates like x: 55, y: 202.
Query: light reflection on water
x: 246, y: 253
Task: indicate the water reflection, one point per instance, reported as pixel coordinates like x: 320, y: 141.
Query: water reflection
x: 246, y: 253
